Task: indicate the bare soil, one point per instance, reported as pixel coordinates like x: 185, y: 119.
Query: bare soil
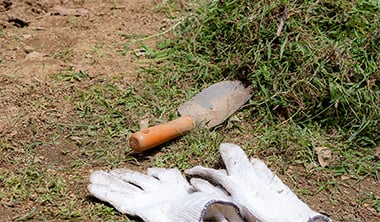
x: 39, y: 39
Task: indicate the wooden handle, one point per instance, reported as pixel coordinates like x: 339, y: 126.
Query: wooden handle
x: 156, y: 135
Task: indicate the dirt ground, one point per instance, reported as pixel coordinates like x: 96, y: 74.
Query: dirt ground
x: 42, y: 38
x: 38, y: 40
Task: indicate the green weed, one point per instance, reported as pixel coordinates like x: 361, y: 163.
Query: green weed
x: 65, y: 55
x: 70, y: 75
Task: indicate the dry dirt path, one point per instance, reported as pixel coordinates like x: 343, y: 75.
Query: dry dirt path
x: 40, y: 39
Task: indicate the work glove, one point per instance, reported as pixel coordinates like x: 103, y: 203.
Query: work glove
x: 254, y: 187
x: 161, y: 195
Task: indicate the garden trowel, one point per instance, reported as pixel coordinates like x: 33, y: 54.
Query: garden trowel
x: 209, y: 108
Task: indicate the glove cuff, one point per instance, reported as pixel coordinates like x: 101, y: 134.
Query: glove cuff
x: 226, y: 208
x: 200, y: 207
x: 319, y: 218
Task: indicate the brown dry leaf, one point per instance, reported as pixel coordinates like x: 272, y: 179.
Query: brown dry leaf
x: 377, y: 153
x: 144, y: 123
x: 324, y: 155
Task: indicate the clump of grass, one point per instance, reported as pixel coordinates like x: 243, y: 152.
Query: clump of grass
x: 321, y: 65
x: 69, y: 75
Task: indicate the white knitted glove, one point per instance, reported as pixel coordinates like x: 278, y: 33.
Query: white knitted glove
x: 161, y: 195
x: 256, y: 188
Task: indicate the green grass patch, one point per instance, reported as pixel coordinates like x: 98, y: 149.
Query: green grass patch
x: 310, y: 63
x: 70, y: 75
x: 321, y: 66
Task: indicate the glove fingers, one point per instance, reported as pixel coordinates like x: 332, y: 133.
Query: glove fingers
x: 141, y: 180
x: 266, y: 175
x: 234, y: 158
x: 104, y: 179
x: 215, y: 176
x: 169, y: 176
x: 206, y: 187
x: 111, y: 189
